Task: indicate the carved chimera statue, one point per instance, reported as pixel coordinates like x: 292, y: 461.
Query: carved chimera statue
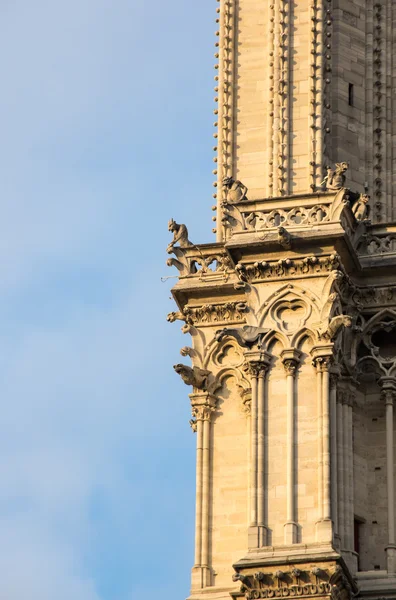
x: 200, y: 379
x: 236, y: 191
x: 361, y: 208
x: 335, y: 178
x: 180, y: 236
x: 246, y: 336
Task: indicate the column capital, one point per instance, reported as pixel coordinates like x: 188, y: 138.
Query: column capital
x: 290, y: 355
x: 322, y: 357
x: 388, y: 389
x: 257, y: 362
x: 202, y: 407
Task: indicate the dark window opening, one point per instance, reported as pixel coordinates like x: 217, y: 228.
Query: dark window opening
x: 357, y: 531
x: 350, y: 94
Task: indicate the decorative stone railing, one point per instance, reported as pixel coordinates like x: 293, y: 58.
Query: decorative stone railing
x: 380, y: 241
x: 288, y: 212
x: 205, y: 260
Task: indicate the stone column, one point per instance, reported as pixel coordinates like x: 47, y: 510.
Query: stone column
x: 347, y: 398
x: 388, y: 394
x: 258, y: 363
x: 340, y: 469
x: 203, y: 406
x: 290, y: 359
x: 322, y: 359
x: 334, y: 453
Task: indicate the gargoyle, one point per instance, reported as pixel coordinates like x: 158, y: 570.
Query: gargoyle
x: 361, y: 209
x: 180, y: 236
x: 246, y: 336
x: 236, y: 191
x: 284, y: 238
x: 328, y: 331
x: 200, y: 379
x: 335, y: 178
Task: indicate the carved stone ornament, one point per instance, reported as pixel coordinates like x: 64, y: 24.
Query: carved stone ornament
x: 328, y: 331
x: 235, y: 191
x: 290, y: 366
x: 208, y: 314
x: 284, y: 238
x: 296, y: 583
x: 335, y: 178
x: 361, y: 208
x: 246, y: 336
x: 287, y: 268
x: 180, y: 236
x: 200, y: 379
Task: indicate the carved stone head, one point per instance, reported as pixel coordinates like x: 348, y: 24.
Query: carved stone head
x: 341, y: 168
x: 172, y: 225
x: 228, y: 181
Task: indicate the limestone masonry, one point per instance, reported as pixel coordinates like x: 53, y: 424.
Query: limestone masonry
x: 292, y: 312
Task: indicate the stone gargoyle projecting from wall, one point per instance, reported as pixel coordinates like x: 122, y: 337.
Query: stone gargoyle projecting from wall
x: 200, y: 379
x: 247, y: 336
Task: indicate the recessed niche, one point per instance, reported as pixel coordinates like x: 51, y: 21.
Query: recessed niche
x: 385, y: 341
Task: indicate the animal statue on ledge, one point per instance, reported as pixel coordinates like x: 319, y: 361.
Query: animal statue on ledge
x: 246, y: 336
x: 361, y: 208
x: 335, y: 178
x: 236, y: 191
x: 180, y: 236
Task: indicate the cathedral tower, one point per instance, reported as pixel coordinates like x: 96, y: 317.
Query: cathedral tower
x: 292, y: 312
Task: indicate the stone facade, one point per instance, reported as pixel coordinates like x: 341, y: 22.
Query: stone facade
x: 292, y: 312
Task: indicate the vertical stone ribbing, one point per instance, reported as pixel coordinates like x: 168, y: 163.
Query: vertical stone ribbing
x: 284, y: 94
x: 393, y: 110
x: 319, y: 91
x: 277, y: 104
x: 314, y: 100
x: 378, y: 112
x: 327, y: 82
x: 388, y: 81
x: 225, y: 99
x: 270, y: 120
x: 369, y: 97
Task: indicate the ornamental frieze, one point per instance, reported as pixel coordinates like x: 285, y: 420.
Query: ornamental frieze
x: 209, y: 314
x: 288, y: 267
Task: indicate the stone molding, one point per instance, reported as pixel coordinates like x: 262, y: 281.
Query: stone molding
x: 294, y: 583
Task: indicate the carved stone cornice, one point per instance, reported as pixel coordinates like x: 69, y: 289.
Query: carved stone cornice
x: 375, y: 297
x: 303, y: 582
x: 288, y: 268
x: 209, y: 314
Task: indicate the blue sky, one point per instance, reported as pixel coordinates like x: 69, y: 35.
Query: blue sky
x: 106, y: 129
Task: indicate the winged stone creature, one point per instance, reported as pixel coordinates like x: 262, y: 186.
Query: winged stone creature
x: 246, y: 336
